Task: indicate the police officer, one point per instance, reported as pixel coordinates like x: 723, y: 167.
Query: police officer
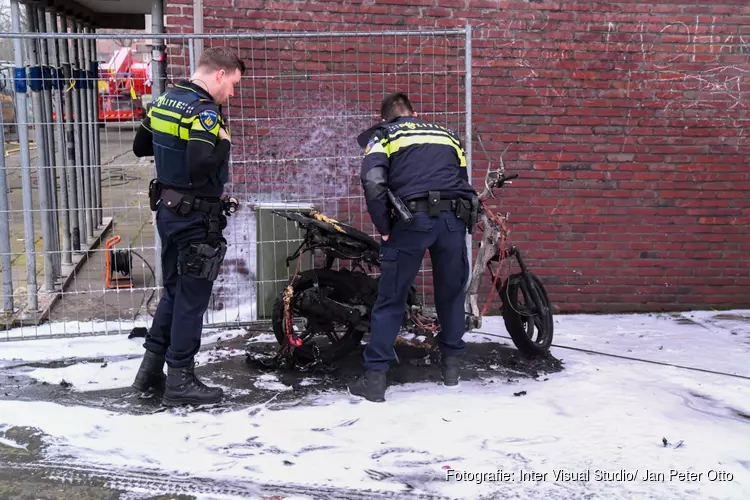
x: 423, y: 166
x: 186, y: 133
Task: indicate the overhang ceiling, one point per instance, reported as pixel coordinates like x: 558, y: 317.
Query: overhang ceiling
x: 118, y: 6
x: 104, y: 14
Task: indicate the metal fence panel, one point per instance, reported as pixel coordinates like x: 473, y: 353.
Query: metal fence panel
x: 76, y: 195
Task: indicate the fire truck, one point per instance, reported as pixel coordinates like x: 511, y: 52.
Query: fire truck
x: 122, y: 85
x: 121, y: 88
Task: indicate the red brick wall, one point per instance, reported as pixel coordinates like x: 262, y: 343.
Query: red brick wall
x: 629, y: 118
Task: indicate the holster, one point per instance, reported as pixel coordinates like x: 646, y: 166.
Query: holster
x: 203, y: 260
x: 472, y: 224
x: 154, y: 194
x: 468, y: 211
x: 400, y: 208
x: 216, y: 224
x: 433, y: 200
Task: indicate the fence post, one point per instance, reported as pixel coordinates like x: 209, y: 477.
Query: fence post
x: 32, y: 302
x: 157, y: 88
x: 51, y: 141
x: 197, y: 27
x: 467, y: 145
x: 77, y: 136
x: 70, y: 139
x: 58, y: 86
x: 86, y: 157
x: 98, y: 215
x: 43, y: 154
x: 90, y: 126
x: 7, y: 260
x: 191, y: 55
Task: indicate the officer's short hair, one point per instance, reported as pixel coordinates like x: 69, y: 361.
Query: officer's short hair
x: 394, y: 105
x: 217, y: 58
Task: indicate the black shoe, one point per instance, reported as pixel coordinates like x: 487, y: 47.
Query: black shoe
x: 150, y: 374
x: 450, y: 368
x: 371, y: 386
x: 184, y: 388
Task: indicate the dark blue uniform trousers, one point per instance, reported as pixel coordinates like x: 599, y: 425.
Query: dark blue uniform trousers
x: 178, y: 322
x: 401, y: 257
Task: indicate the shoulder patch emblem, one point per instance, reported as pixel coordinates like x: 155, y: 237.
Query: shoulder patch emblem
x: 209, y: 119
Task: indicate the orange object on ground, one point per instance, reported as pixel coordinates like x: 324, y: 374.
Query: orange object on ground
x: 110, y: 267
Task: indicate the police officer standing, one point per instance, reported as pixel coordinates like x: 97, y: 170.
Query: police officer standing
x: 422, y: 166
x: 186, y: 133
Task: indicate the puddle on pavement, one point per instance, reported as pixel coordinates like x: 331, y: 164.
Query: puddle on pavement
x: 21, y: 444
x: 731, y: 317
x: 233, y: 364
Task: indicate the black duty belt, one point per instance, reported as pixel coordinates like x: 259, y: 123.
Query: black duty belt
x: 423, y: 205
x: 183, y: 204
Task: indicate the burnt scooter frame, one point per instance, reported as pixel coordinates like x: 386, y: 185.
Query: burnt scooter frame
x: 518, y: 319
x: 349, y: 302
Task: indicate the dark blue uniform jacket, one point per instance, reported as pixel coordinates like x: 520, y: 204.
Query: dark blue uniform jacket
x: 411, y: 157
x: 181, y: 131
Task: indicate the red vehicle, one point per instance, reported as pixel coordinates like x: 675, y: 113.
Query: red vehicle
x: 122, y: 83
x: 120, y: 87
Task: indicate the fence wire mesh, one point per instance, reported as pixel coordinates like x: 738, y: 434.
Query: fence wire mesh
x: 76, y: 196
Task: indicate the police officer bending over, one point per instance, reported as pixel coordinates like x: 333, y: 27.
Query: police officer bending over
x: 186, y: 133
x: 421, y: 167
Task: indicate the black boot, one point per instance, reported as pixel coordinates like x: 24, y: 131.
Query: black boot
x: 184, y: 388
x: 450, y: 368
x: 371, y: 386
x: 150, y: 374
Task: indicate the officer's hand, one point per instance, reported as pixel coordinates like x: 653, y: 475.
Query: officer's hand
x: 223, y: 135
x: 385, y: 237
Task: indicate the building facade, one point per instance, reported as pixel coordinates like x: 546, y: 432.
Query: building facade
x: 627, y: 121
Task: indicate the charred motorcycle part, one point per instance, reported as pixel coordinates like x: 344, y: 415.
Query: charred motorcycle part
x: 341, y: 291
x: 291, y: 335
x: 532, y: 317
x: 325, y: 298
x: 315, y: 304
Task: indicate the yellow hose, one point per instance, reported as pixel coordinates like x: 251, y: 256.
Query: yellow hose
x: 16, y: 150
